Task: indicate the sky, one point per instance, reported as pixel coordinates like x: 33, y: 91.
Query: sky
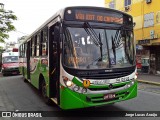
x: 32, y: 13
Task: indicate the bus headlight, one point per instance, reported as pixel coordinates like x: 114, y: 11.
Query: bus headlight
x: 67, y: 81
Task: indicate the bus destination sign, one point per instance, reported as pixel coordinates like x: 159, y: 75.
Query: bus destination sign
x: 108, y: 17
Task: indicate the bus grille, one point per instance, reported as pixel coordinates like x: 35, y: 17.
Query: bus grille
x: 98, y: 89
x: 111, y: 75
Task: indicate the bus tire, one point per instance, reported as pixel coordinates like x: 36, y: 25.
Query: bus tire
x: 25, y: 80
x: 44, y: 93
x: 4, y: 74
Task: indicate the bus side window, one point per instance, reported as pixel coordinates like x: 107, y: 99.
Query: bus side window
x: 20, y: 51
x: 33, y: 44
x: 45, y: 42
x: 25, y: 54
x: 40, y: 43
x: 36, y: 47
x: 31, y: 47
x: 44, y: 48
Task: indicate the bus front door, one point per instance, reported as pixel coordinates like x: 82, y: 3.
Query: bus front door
x: 54, y: 66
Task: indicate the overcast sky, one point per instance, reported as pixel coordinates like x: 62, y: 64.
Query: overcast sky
x: 32, y: 13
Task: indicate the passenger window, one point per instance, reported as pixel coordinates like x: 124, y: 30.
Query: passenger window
x: 45, y: 42
x: 37, y: 42
x: 33, y: 40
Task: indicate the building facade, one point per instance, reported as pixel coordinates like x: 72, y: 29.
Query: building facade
x: 10, y: 46
x: 146, y: 15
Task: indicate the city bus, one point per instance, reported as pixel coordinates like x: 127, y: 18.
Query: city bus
x: 82, y: 57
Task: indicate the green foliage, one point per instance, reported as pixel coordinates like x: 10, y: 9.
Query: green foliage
x: 6, y: 25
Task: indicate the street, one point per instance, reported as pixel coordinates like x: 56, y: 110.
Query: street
x: 81, y: 56
x: 16, y: 95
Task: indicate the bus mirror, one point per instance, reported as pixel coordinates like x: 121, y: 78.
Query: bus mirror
x: 56, y: 33
x: 134, y: 24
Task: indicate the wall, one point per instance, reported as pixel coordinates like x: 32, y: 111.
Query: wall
x: 138, y: 9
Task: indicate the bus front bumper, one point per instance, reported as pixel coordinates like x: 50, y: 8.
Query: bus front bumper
x: 73, y: 100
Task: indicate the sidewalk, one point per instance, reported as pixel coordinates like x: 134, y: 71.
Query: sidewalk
x: 149, y: 78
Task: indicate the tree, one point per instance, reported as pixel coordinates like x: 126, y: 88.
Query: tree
x: 6, y: 25
x: 1, y: 48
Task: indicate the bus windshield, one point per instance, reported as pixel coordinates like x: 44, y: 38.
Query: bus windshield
x: 99, y: 49
x: 10, y: 59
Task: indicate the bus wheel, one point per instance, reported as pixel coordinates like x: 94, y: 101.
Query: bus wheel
x: 25, y: 80
x: 44, y: 93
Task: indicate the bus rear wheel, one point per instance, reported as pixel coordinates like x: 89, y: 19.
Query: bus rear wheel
x: 44, y: 93
x: 25, y: 80
x: 4, y: 74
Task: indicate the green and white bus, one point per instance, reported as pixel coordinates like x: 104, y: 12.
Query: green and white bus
x: 82, y: 57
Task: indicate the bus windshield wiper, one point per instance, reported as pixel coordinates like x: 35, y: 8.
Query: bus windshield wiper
x: 113, y: 47
x: 117, y: 39
x: 90, y: 31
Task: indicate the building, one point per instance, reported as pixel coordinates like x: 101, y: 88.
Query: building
x: 146, y: 15
x: 10, y: 46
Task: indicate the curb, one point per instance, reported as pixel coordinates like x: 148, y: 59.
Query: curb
x: 149, y: 82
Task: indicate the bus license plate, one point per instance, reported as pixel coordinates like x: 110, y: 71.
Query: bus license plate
x: 109, y: 96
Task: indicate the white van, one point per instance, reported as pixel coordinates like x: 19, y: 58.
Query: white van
x: 10, y: 64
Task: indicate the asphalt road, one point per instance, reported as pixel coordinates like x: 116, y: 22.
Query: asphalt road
x: 15, y: 95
